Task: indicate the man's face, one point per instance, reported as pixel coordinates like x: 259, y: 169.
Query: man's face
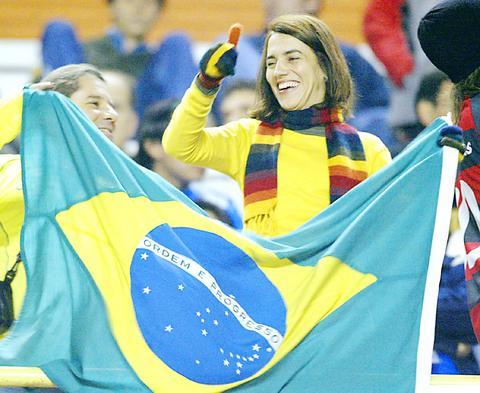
x: 93, y: 99
x: 135, y: 18
x: 237, y: 104
x: 171, y: 169
x: 428, y: 111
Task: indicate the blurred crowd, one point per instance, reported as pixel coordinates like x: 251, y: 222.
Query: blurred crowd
x: 395, y: 101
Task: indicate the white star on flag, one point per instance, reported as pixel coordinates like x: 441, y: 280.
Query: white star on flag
x: 256, y: 356
x: 269, y: 349
x: 144, y: 256
x: 147, y: 290
x: 226, y: 362
x: 181, y: 287
x: 238, y: 371
x: 239, y: 365
x: 197, y: 361
x: 207, y: 310
x: 204, y: 332
x: 215, y: 322
x: 256, y: 347
x: 198, y: 313
x: 168, y: 328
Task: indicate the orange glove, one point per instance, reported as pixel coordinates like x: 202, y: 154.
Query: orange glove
x: 219, y: 61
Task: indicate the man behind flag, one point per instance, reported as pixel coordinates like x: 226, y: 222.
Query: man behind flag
x: 85, y: 86
x: 132, y: 288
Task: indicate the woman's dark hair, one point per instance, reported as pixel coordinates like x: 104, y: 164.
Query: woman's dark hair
x: 154, y: 123
x: 316, y: 34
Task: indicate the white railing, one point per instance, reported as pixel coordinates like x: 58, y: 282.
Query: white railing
x: 33, y: 377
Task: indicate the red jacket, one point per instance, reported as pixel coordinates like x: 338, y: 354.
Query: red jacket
x: 383, y: 31
x: 468, y: 202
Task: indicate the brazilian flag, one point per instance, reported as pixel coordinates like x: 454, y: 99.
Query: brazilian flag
x: 132, y: 288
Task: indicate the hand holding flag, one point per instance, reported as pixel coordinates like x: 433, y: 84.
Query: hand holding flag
x: 452, y: 136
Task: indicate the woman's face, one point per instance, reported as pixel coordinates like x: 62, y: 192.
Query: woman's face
x: 293, y: 73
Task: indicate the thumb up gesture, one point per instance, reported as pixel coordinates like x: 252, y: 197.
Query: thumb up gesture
x: 219, y: 61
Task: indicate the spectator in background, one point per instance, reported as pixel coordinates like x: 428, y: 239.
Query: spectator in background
x: 187, y: 178
x: 151, y: 154
x: 120, y: 87
x: 161, y: 72
x: 390, y: 29
x: 433, y: 98
x: 238, y: 100
x: 215, y: 212
x: 371, y: 93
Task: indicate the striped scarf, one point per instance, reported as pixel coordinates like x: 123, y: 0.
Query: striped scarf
x: 346, y: 157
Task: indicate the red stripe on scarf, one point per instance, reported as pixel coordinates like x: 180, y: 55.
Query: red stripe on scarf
x: 270, y: 129
x: 343, y: 183
x: 260, y: 185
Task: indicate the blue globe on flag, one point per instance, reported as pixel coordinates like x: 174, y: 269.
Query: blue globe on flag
x: 194, y: 312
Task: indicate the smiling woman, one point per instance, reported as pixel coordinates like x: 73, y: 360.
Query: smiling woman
x: 293, y: 73
x: 296, y: 155
x: 309, y: 54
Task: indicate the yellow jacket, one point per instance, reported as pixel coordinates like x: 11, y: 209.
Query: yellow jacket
x: 12, y: 208
x: 303, y: 177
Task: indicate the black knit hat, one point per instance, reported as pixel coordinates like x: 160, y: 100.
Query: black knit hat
x: 450, y: 37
